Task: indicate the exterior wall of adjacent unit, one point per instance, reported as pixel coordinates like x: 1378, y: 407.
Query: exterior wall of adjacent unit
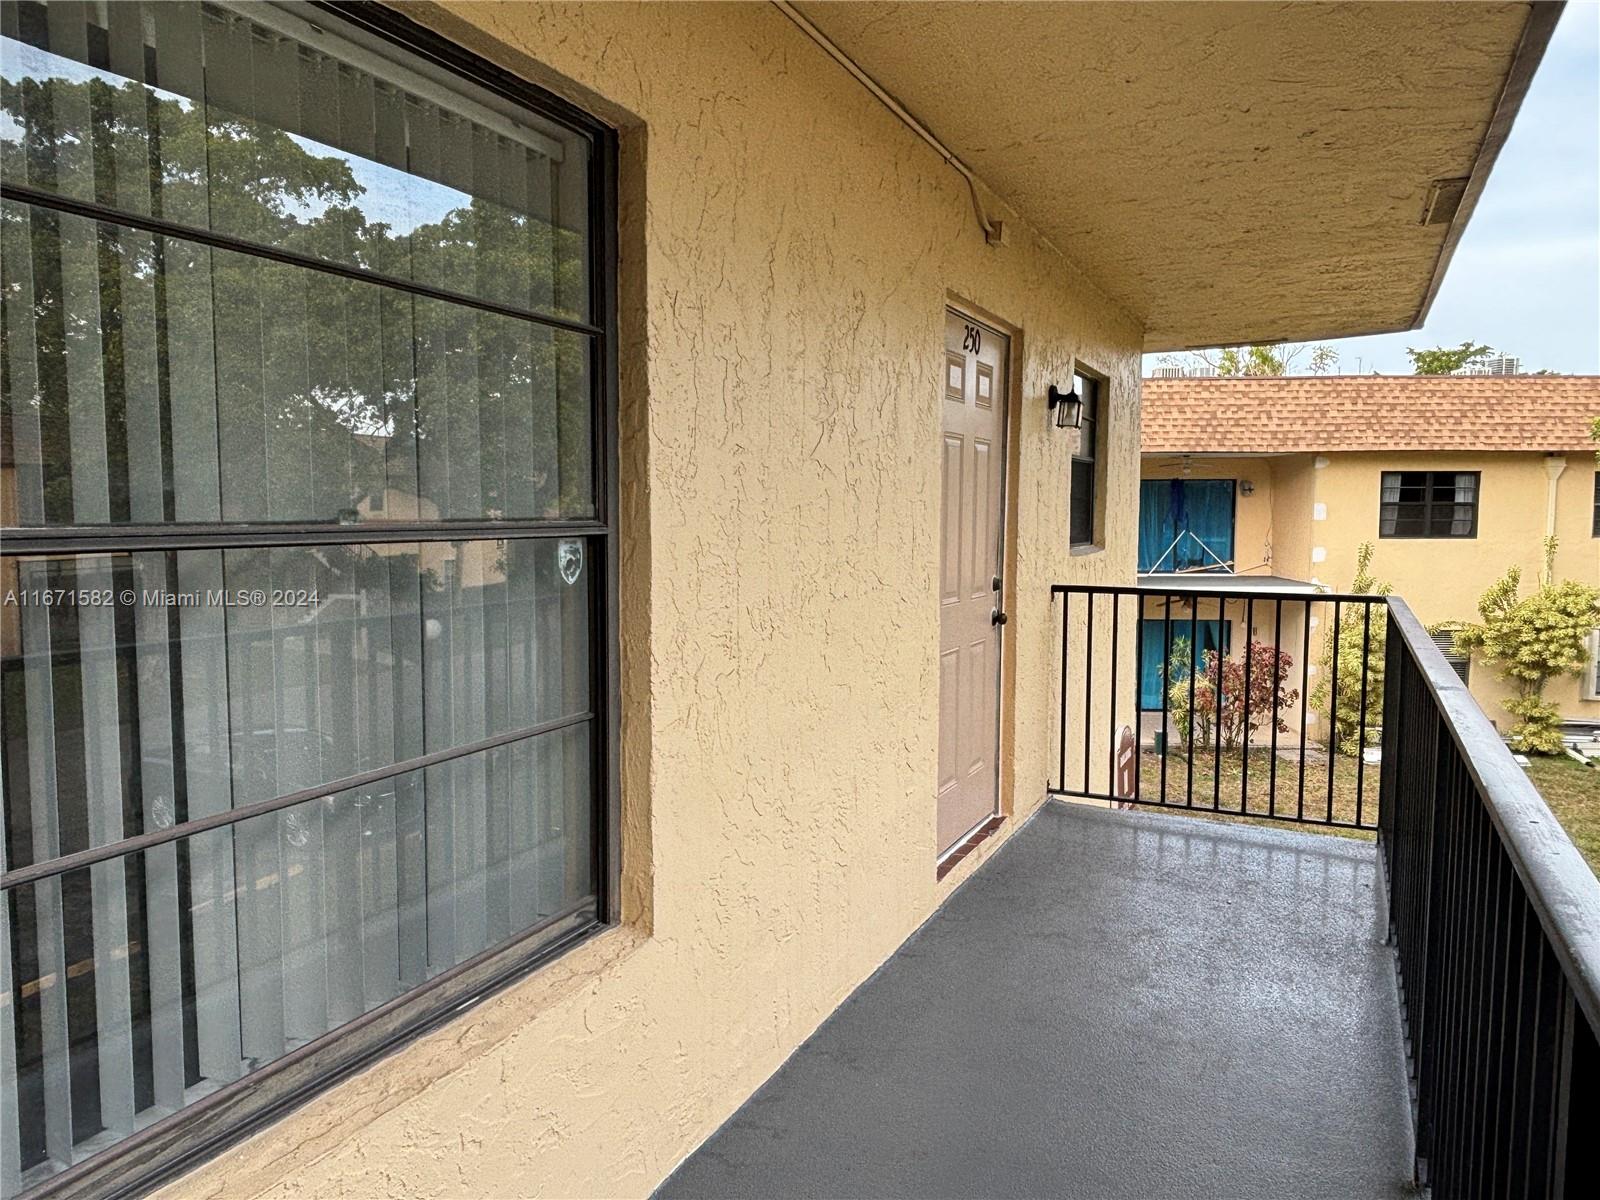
x: 1255, y: 516
x: 1296, y: 529
x: 788, y: 252
x: 1442, y: 578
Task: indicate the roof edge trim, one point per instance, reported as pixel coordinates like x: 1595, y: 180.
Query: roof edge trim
x: 1543, y: 15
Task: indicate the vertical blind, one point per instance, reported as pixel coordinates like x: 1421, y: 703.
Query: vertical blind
x: 287, y: 286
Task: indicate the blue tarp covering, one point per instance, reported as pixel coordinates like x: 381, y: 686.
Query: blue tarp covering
x: 1185, y: 524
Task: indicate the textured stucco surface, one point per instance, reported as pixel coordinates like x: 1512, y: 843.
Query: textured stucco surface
x: 788, y: 252
x: 1442, y: 578
x: 1132, y: 1005
x: 1237, y: 172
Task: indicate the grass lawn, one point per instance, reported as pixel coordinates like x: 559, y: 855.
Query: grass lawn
x: 1225, y: 787
x: 1571, y: 790
x: 1573, y: 794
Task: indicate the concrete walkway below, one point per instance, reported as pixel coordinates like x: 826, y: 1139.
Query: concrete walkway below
x: 1119, y: 1004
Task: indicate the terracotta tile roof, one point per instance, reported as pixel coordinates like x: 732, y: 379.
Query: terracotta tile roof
x: 1323, y: 413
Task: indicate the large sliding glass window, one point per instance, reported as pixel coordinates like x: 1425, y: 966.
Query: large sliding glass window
x: 303, y: 579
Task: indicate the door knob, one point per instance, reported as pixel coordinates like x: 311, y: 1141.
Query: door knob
x: 997, y: 617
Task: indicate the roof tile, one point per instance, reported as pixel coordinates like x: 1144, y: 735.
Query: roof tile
x: 1328, y: 413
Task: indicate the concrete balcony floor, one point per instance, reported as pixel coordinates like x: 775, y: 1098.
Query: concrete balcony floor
x: 1118, y: 1004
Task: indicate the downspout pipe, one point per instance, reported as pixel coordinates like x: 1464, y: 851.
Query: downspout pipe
x: 1554, y: 466
x: 993, y: 231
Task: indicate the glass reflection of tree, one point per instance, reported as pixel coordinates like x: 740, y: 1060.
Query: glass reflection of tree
x: 325, y: 363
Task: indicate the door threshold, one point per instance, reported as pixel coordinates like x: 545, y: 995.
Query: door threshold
x: 980, y: 834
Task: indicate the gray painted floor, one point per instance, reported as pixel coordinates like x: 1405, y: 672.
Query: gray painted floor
x: 1118, y: 1004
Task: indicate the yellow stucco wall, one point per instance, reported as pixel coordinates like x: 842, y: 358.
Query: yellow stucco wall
x: 1442, y: 578
x: 1294, y: 498
x: 788, y: 252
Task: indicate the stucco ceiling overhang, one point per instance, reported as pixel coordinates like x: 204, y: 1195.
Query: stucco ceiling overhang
x: 1227, y: 172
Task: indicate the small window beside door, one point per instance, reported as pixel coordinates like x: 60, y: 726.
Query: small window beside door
x: 1085, y: 519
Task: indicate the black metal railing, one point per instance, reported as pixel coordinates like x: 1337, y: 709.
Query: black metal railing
x: 1495, y: 919
x: 1223, y: 700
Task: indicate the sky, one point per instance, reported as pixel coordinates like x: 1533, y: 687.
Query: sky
x: 1525, y: 277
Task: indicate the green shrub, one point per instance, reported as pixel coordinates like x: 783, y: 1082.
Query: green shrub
x: 1533, y: 639
x: 1345, y: 718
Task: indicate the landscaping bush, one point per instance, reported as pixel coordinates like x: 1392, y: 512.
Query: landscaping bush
x: 1227, y: 676
x: 1343, y: 716
x: 1533, y: 639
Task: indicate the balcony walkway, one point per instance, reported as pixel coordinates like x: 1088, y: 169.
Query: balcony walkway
x: 1119, y: 1004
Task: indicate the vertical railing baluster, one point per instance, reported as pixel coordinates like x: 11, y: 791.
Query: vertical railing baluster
x: 1461, y: 989
x: 1138, y: 699
x: 1111, y: 712
x: 1361, y: 745
x: 1305, y: 709
x: 1061, y: 771
x: 1216, y: 707
x: 1194, y: 669
x: 1333, y: 709
x: 1561, y: 1100
x: 1166, y: 686
x: 1501, y: 1180
x: 1244, y: 760
x: 1397, y: 679
x: 1543, y: 1073
x: 1277, y: 688
x: 1498, y: 900
x: 1088, y: 683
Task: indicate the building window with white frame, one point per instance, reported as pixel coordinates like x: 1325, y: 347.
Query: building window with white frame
x: 1591, y: 669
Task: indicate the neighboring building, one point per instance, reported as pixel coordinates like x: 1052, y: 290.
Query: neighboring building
x: 1452, y: 479
x: 634, y: 437
x: 1493, y: 364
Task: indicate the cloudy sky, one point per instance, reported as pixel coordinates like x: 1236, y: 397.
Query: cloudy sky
x: 1525, y: 278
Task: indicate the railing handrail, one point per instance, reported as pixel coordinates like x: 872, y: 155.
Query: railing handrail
x: 1227, y: 593
x: 1561, y: 888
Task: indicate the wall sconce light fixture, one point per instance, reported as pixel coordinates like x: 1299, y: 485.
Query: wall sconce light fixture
x: 1246, y: 488
x: 1068, y: 407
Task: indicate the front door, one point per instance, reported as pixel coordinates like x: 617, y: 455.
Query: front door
x: 971, y: 594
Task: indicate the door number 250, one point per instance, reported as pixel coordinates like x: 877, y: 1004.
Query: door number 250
x: 972, y: 339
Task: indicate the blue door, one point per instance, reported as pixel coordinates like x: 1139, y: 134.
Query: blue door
x: 1212, y: 635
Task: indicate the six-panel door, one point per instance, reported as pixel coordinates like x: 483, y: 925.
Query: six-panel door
x: 972, y: 514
